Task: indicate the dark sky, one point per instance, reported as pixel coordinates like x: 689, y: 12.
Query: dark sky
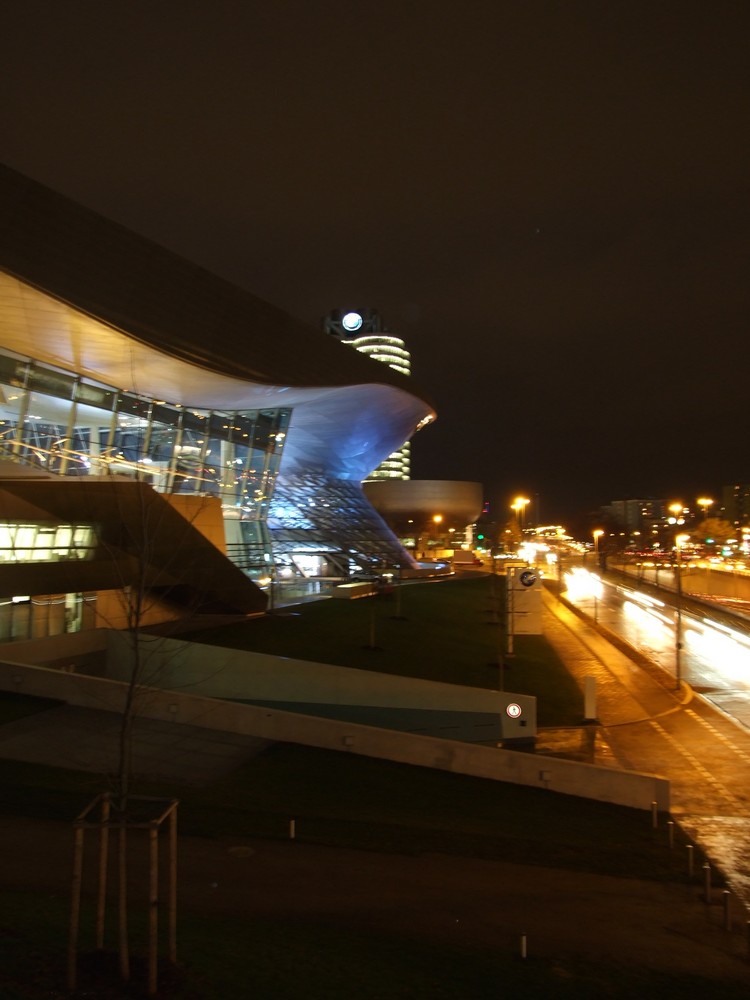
x: 548, y: 200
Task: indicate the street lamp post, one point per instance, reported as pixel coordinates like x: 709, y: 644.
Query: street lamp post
x: 676, y: 509
x: 678, y: 542
x: 519, y: 507
x: 509, y: 608
x: 437, y: 520
x: 597, y: 535
x: 704, y: 503
x: 521, y: 504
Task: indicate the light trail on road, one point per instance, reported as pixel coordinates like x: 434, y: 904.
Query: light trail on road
x: 714, y: 658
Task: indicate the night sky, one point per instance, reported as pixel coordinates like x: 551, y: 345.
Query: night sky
x: 547, y: 200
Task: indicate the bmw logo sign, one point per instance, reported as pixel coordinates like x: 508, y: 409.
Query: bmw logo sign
x: 527, y: 578
x: 352, y: 322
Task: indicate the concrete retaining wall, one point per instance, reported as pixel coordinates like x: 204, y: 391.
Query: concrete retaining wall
x: 626, y: 788
x: 239, y: 674
x: 58, y: 649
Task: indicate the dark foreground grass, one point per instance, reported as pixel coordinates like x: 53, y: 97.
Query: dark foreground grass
x: 273, y: 957
x: 359, y: 802
x: 17, y: 706
x: 446, y: 631
x: 287, y: 959
x: 348, y: 801
x: 343, y: 800
x: 355, y: 802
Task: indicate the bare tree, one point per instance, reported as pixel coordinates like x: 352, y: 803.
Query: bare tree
x: 156, y: 561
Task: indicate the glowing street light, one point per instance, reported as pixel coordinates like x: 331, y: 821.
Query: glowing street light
x: 597, y: 535
x: 437, y: 520
x: 704, y: 503
x: 676, y: 510
x: 519, y: 505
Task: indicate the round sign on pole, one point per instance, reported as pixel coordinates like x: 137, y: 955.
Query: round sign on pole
x: 513, y: 710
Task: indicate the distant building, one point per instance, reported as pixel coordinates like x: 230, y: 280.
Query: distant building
x: 634, y: 515
x: 735, y: 502
x: 363, y: 330
x: 640, y: 523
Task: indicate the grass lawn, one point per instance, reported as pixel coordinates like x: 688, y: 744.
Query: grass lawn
x: 444, y: 631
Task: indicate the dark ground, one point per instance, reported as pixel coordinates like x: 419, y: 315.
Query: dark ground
x: 662, y: 932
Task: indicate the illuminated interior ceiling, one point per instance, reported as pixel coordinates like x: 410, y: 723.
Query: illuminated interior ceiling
x: 84, y: 294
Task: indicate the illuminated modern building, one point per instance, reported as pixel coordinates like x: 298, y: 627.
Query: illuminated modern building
x: 363, y: 330
x: 149, y: 408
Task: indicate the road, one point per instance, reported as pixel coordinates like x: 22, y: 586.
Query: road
x: 645, y: 725
x: 714, y: 653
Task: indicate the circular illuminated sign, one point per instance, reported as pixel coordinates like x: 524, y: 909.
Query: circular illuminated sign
x: 513, y: 710
x: 527, y: 578
x: 351, y: 322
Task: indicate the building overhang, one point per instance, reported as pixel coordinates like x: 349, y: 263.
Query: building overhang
x: 84, y: 294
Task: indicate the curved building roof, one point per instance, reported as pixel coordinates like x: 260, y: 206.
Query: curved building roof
x: 88, y: 295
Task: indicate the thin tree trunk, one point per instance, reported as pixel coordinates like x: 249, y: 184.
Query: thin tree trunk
x: 124, y: 947
x: 123, y: 782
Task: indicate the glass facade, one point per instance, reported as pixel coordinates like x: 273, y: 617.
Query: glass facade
x: 40, y: 617
x: 28, y: 542
x: 326, y: 527
x: 73, y: 426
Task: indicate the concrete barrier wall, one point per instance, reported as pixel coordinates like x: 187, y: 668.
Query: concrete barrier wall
x: 239, y: 674
x: 694, y: 579
x: 234, y: 673
x: 627, y: 788
x: 56, y: 649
